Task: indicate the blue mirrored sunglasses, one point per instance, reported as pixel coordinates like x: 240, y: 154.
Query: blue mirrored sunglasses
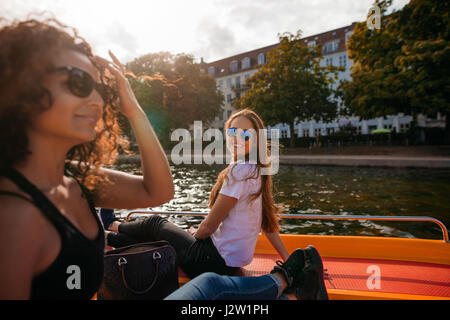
x: 245, y: 134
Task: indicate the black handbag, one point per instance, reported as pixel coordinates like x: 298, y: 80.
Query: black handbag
x: 141, y: 271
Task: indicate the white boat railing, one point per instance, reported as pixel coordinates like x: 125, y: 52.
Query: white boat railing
x: 318, y: 217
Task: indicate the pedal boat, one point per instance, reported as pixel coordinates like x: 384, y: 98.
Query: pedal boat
x: 362, y: 267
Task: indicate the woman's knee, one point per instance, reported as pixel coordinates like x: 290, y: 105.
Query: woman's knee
x: 153, y: 222
x: 202, y: 287
x: 211, y: 280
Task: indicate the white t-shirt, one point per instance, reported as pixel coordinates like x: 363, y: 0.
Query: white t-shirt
x: 236, y: 236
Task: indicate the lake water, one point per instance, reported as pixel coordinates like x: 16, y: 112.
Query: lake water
x: 330, y: 190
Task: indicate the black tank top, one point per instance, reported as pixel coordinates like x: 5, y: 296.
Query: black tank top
x: 77, y: 271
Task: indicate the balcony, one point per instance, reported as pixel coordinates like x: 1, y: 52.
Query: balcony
x: 239, y: 88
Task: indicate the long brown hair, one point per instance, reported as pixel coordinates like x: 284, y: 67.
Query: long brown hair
x: 27, y: 52
x: 269, y: 209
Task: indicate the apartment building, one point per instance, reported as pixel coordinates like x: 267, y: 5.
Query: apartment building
x: 232, y: 72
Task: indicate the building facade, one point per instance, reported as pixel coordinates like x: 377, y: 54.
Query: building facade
x: 231, y: 74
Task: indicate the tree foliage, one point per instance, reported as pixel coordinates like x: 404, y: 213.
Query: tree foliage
x: 292, y: 86
x: 403, y: 67
x: 173, y: 91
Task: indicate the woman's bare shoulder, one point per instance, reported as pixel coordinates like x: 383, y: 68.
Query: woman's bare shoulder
x: 18, y: 217
x: 21, y: 243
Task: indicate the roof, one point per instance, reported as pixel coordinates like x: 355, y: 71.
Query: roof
x: 222, y: 67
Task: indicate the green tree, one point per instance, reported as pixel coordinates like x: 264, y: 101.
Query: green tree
x: 403, y: 67
x: 292, y: 86
x: 174, y: 92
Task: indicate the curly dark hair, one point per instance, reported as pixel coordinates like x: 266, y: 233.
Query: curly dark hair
x: 27, y: 51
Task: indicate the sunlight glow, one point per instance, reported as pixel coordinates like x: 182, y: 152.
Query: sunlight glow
x: 212, y: 29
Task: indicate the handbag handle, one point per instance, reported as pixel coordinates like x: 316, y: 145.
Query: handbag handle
x: 122, y: 263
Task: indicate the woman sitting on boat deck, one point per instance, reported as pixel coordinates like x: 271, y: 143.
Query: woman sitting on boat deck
x: 241, y: 206
x: 58, y: 125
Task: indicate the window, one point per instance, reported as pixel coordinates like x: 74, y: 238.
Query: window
x: 221, y: 84
x: 229, y: 112
x: 246, y: 63
x: 404, y: 127
x: 306, y: 132
x: 331, y: 46
x: 238, y: 82
x: 312, y: 43
x: 234, y: 66
x: 329, y: 61
x: 348, y: 35
x: 229, y: 83
x: 343, y: 61
x: 283, y: 134
x: 228, y: 98
x: 261, y: 59
x: 212, y: 71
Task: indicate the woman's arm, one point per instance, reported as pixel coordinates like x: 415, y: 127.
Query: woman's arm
x: 277, y: 243
x: 155, y: 186
x: 218, y: 213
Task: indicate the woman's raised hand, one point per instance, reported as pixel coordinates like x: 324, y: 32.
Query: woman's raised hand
x: 129, y: 105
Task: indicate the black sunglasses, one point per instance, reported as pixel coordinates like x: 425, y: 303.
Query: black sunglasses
x: 81, y: 84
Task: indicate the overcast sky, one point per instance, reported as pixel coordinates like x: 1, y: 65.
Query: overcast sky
x: 212, y: 29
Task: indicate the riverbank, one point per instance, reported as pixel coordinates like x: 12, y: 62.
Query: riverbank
x: 373, y: 156
x: 398, y: 151
x: 390, y: 161
x: 367, y: 161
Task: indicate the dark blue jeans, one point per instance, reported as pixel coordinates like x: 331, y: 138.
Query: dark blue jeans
x: 194, y: 256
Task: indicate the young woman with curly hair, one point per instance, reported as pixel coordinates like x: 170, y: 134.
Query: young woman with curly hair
x: 58, y: 127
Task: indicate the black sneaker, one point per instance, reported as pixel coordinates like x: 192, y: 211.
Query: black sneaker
x: 313, y: 286
x: 292, y: 270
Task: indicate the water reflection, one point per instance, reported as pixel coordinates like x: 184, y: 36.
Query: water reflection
x: 331, y: 190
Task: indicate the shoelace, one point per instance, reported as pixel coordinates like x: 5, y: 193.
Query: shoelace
x: 287, y: 276
x: 279, y: 263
